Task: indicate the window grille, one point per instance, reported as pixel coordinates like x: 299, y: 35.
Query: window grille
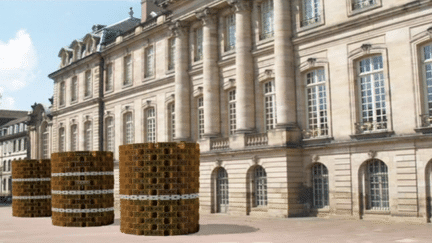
x: 231, y: 32
x: 372, y: 94
x: 320, y: 186
x: 172, y: 122
x: 127, y: 70
x: 267, y: 20
x: 199, y: 44
x: 427, y: 72
x: 110, y: 134
x: 61, y: 139
x: 260, y: 186
x: 317, y: 103
x: 88, y: 83
x: 311, y: 12
x: 45, y: 142
x: 222, y: 194
x: 149, y: 62
x: 361, y: 4
x: 74, y: 89
x: 129, y: 128
x: 110, y: 78
x: 74, y: 138
x: 200, y: 117
x: 172, y: 51
x: 232, y: 111
x: 378, y: 185
x: 270, y: 105
x: 88, y: 137
x: 151, y: 125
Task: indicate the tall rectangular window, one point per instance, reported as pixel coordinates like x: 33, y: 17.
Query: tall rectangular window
x: 172, y: 120
x: 427, y: 77
x: 311, y: 12
x: 230, y: 32
x: 361, y: 4
x: 267, y: 20
x: 270, y: 105
x: 151, y: 125
x: 149, y: 65
x: 25, y: 143
x: 232, y: 111
x: 110, y: 78
x: 88, y: 136
x: 88, y: 83
x: 110, y: 134
x: 199, y: 44
x: 128, y: 128
x: 127, y: 70
x: 370, y: 80
x: 200, y: 117
x: 317, y: 103
x: 19, y: 145
x: 45, y: 142
x: 74, y: 89
x: 61, y: 139
x: 62, y: 93
x: 74, y: 138
x: 172, y: 51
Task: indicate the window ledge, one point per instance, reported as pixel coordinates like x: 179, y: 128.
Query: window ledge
x: 149, y: 78
x: 260, y: 209
x: 265, y: 41
x: 374, y: 211
x: 423, y: 130
x: 310, y: 26
x: 127, y: 85
x: 362, y: 10
x: 317, y: 140
x: 170, y: 71
x: 109, y: 91
x: 227, y: 53
x: 320, y: 210
x: 376, y: 134
x: 87, y: 97
x: 74, y: 102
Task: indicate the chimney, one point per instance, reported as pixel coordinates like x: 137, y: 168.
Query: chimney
x: 148, y: 6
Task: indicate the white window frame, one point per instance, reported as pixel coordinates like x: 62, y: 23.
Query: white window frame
x: 45, y: 142
x: 314, y: 15
x: 62, y: 95
x: 269, y: 99
x: 232, y: 111
x: 127, y: 70
x: 200, y: 117
x: 88, y: 139
x: 109, y: 84
x: 318, y: 80
x: 320, y: 186
x: 260, y: 187
x: 230, y: 33
x: 128, y: 128
x: 171, y: 114
x: 74, y: 137
x: 199, y: 44
x: 110, y: 134
x: 267, y: 15
x: 149, y: 61
x: 171, y: 53
x: 62, y: 139
x: 74, y: 89
x: 379, y: 181
x: 367, y: 7
x: 427, y: 102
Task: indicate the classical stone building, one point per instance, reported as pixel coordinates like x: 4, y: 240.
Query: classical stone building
x: 319, y: 107
x: 13, y: 144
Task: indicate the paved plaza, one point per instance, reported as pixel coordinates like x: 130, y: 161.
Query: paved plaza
x: 220, y: 228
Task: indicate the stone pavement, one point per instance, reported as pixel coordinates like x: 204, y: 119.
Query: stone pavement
x: 220, y: 228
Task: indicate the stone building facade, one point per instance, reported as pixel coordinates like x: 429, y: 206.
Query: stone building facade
x: 319, y: 107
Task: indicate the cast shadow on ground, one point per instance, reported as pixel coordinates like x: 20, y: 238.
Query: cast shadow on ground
x: 216, y: 229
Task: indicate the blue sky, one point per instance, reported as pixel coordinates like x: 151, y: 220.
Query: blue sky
x: 31, y: 36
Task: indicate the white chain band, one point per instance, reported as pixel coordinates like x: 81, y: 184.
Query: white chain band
x: 32, y: 179
x: 83, y: 173
x: 162, y: 197
x: 31, y: 197
x: 88, y: 192
x: 92, y: 210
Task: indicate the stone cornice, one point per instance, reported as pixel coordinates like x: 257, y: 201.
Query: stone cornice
x: 13, y: 136
x: 77, y: 106
x: 74, y: 65
x: 363, y: 20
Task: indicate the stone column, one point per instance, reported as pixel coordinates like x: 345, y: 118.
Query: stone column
x: 210, y: 73
x: 244, y: 67
x: 182, y: 83
x: 284, y: 66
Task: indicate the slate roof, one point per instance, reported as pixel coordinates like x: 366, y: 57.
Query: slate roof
x: 15, y: 121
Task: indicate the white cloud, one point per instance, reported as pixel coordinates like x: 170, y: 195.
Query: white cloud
x: 7, y: 103
x: 18, y: 62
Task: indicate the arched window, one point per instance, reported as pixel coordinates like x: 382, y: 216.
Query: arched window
x: 61, y: 139
x: 260, y: 187
x: 320, y: 186
x: 45, y: 141
x: 128, y: 128
x: 88, y: 136
x: 377, y: 176
x: 150, y: 125
x: 222, y: 197
x: 74, y: 138
x: 110, y: 134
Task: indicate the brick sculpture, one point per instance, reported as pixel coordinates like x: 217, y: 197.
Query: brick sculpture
x: 159, y: 185
x: 82, y: 188
x: 31, y: 188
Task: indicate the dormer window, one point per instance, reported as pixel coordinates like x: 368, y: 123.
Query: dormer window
x: 83, y: 51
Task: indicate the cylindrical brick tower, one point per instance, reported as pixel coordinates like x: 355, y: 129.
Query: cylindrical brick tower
x: 82, y: 188
x: 31, y: 188
x: 159, y: 186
